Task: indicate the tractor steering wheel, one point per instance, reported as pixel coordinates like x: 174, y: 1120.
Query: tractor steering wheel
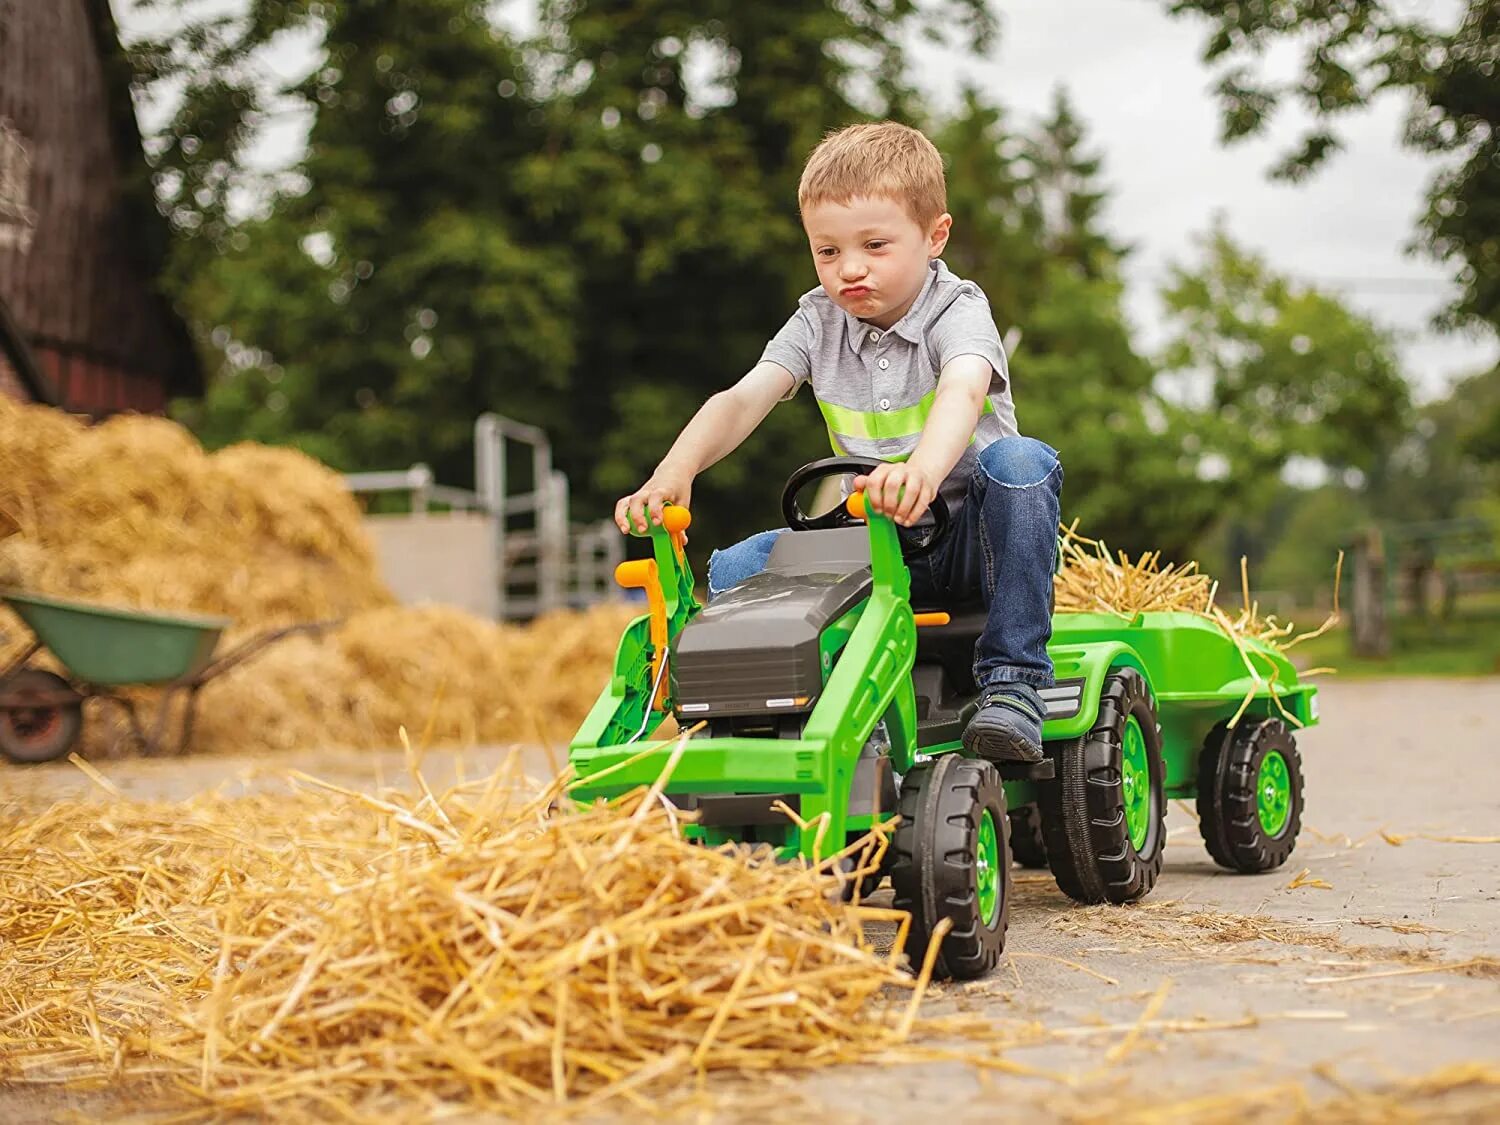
x: 797, y: 520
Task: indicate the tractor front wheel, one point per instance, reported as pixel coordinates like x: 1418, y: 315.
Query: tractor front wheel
x: 951, y: 859
x: 1104, y: 815
x: 1250, y: 795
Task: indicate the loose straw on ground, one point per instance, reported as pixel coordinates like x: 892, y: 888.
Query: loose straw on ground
x: 330, y: 953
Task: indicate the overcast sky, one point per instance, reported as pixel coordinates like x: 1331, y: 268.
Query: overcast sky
x: 1136, y: 81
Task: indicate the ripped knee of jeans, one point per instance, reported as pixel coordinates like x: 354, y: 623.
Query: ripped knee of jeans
x: 1018, y: 462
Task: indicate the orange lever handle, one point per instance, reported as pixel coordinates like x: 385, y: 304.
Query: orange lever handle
x: 642, y: 574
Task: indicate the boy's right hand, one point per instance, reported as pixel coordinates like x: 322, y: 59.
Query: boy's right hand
x: 646, y: 502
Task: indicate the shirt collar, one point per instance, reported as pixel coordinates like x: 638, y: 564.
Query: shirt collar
x: 909, y: 327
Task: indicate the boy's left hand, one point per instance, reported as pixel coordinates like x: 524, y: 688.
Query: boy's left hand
x: 898, y: 489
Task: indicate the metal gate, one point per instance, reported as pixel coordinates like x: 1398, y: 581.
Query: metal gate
x: 538, y: 559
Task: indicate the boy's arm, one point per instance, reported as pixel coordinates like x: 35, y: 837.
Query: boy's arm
x: 903, y: 490
x: 715, y: 431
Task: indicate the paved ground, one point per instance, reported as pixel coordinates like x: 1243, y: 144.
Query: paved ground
x: 1247, y: 983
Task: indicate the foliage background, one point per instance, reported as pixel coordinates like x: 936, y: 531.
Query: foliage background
x: 592, y: 227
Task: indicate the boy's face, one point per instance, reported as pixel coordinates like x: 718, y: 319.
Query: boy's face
x: 872, y: 256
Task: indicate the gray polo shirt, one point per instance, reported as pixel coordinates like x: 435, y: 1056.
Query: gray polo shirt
x: 875, y: 388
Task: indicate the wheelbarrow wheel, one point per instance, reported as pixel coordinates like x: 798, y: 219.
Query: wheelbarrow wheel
x: 40, y: 732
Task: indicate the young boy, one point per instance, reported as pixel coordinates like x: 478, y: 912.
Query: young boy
x: 906, y: 364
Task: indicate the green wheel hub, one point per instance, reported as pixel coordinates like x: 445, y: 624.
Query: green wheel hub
x: 987, y: 873
x: 1273, y: 793
x: 1135, y: 782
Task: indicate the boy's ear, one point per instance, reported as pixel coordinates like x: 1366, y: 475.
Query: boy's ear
x: 938, y: 239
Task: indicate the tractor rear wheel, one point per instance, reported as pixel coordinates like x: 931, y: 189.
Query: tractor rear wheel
x: 951, y: 859
x: 1250, y: 794
x: 1103, y: 817
x: 1027, y: 844
x: 43, y: 730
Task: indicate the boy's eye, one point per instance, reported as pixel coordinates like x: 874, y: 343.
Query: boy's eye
x: 876, y: 244
x: 826, y: 252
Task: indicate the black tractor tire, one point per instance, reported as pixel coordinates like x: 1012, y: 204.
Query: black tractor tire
x: 936, y: 868
x: 868, y: 884
x: 1028, y: 846
x: 1229, y: 771
x: 1084, y: 823
x: 42, y: 733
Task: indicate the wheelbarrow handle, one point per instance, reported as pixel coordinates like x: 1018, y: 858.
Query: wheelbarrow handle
x: 20, y: 662
x: 243, y: 652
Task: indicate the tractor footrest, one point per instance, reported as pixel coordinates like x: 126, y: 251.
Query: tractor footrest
x: 736, y: 810
x: 1045, y: 770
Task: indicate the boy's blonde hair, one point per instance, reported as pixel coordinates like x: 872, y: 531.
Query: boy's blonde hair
x: 885, y: 160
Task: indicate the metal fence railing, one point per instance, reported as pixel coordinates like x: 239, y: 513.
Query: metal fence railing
x: 544, y: 561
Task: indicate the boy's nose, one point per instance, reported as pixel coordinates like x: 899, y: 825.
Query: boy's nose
x: 852, y: 269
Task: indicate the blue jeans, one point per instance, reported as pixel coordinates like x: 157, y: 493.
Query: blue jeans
x: 1001, y: 550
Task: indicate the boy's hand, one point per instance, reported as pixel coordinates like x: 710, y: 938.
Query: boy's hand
x: 900, y: 490
x: 646, y: 502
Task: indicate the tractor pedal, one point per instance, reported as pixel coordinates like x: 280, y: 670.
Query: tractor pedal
x: 1045, y: 770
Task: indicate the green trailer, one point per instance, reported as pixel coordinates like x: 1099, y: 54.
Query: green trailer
x: 820, y: 702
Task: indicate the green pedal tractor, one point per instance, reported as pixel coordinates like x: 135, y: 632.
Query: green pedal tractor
x: 821, y: 702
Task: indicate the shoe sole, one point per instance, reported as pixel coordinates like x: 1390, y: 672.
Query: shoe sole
x: 1000, y: 746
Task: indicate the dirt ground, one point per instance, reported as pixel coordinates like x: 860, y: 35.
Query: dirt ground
x: 1381, y: 963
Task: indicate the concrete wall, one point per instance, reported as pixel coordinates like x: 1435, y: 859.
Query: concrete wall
x: 447, y: 558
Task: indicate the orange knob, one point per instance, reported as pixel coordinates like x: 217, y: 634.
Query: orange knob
x: 676, y: 518
x: 855, y: 505
x: 636, y: 574
x: 927, y: 620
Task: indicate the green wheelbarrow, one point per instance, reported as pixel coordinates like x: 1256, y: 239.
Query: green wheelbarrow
x: 102, y: 648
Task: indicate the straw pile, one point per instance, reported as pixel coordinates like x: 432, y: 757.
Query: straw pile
x: 331, y: 954
x: 134, y: 513
x: 1094, y: 580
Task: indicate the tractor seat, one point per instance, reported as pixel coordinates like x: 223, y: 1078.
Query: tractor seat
x: 952, y: 645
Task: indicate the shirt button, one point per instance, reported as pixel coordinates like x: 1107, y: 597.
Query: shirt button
x: 883, y: 364
x: 874, y: 336
x: 885, y: 403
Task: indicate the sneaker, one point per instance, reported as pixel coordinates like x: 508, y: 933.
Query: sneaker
x: 1008, y: 725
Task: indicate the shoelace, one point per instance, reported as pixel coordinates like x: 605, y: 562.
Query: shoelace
x: 1012, y: 699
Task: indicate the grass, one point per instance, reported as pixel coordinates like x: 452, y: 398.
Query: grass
x: 1467, y: 645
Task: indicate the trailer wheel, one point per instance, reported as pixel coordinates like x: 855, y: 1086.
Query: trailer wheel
x: 951, y: 859
x: 1103, y: 817
x: 1027, y: 844
x: 41, y: 732
x: 1250, y: 795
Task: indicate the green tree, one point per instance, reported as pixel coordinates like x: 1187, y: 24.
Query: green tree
x: 1262, y: 371
x: 1352, y: 52
x: 402, y: 292
x: 1028, y: 228
x: 567, y: 230
x: 1067, y: 184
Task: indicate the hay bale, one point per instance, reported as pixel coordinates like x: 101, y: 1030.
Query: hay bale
x: 134, y: 513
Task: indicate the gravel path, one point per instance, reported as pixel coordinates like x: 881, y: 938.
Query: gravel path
x: 1252, y: 990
